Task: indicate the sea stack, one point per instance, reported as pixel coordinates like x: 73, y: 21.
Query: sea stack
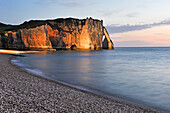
x: 68, y: 33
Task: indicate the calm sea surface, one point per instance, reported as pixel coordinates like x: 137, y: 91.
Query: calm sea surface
x: 137, y: 74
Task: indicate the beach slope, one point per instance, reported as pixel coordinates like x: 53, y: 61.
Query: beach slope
x: 20, y: 91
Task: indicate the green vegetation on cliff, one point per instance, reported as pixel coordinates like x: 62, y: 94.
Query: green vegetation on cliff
x: 36, y: 23
x: 4, y: 27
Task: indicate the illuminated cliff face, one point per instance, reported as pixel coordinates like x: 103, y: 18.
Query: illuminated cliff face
x: 36, y: 37
x: 57, y: 34
x: 84, y: 34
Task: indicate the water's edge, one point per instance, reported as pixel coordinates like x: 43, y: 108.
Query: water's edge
x: 116, y: 98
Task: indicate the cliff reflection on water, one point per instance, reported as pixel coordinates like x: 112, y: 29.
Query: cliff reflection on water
x: 138, y: 74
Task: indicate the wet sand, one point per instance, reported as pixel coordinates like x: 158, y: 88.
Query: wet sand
x: 21, y: 91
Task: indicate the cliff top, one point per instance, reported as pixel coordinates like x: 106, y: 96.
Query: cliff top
x: 35, y: 23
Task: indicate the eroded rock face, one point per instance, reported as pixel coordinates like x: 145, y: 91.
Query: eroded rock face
x: 33, y: 38
x: 107, y: 43
x: 57, y: 34
x: 84, y: 34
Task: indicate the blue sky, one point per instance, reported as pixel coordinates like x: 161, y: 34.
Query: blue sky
x: 125, y: 19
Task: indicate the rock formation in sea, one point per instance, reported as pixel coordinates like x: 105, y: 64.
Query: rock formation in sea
x: 107, y: 42
x: 60, y: 33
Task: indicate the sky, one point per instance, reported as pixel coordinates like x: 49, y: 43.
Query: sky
x: 130, y: 23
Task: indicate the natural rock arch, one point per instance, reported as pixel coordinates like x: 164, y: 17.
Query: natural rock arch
x: 107, y: 42
x: 73, y: 47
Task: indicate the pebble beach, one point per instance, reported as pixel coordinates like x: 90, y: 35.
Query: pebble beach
x: 21, y: 91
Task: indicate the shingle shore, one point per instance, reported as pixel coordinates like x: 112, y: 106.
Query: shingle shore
x: 21, y: 91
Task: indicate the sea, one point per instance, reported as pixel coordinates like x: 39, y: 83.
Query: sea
x: 137, y: 74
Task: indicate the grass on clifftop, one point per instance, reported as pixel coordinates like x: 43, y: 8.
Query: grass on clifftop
x: 35, y: 23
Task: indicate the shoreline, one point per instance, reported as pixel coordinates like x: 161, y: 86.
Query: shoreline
x: 99, y: 93
x: 80, y: 100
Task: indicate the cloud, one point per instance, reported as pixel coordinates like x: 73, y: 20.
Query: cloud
x: 71, y: 4
x: 67, y: 3
x: 120, y: 10
x: 130, y: 15
x: 133, y: 43
x: 126, y: 28
x: 141, y: 6
x: 109, y: 13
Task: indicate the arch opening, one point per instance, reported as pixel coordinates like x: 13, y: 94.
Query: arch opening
x: 73, y: 47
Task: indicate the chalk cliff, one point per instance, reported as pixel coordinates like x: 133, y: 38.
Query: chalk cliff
x: 107, y: 42
x: 66, y: 33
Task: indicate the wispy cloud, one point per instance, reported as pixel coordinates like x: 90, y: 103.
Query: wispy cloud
x: 67, y: 3
x: 109, y: 13
x: 130, y: 15
x: 120, y: 10
x: 126, y: 28
x: 134, y: 43
x: 71, y: 4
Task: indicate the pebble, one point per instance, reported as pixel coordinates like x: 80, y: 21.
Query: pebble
x: 21, y: 91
